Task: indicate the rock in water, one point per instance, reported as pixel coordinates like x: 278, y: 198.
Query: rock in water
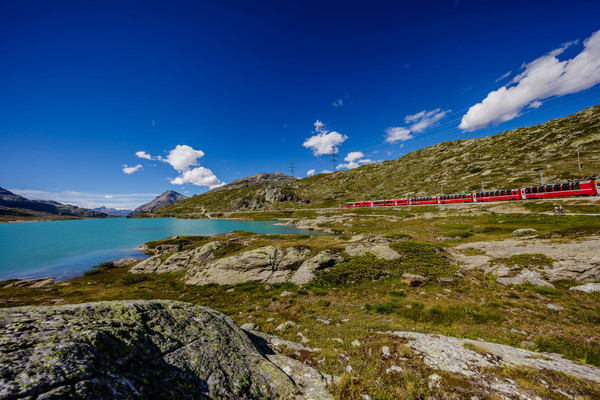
x: 138, y: 349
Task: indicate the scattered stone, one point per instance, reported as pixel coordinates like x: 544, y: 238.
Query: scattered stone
x: 528, y: 344
x: 349, y: 368
x: 513, y: 330
x: 286, y: 293
x: 414, y: 276
x: 303, y: 339
x: 382, y: 251
x: 267, y: 287
x: 588, y: 287
x: 434, y: 381
x: 446, y: 280
x: 356, y: 343
x: 285, y: 325
x: 554, y: 307
x: 32, y: 283
x: 305, y: 273
x: 125, y: 261
x: 526, y: 276
x: 337, y: 339
x: 386, y: 351
x: 393, y: 368
x: 365, y: 397
x: 249, y: 326
x: 524, y: 232
x: 230, y: 290
x: 324, y: 321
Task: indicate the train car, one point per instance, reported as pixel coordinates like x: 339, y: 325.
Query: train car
x: 456, y: 198
x: 498, y: 195
x: 351, y: 205
x: 378, y: 203
x: 423, y: 200
x: 402, y: 202
x: 583, y: 188
x: 390, y: 202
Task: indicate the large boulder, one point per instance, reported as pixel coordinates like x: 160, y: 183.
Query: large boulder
x: 306, y: 272
x: 269, y: 264
x: 141, y: 349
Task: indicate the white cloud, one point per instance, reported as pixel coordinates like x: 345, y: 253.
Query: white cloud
x: 395, y: 134
x: 338, y: 103
x: 425, y: 119
x: 326, y: 171
x: 324, y: 142
x: 131, y: 170
x: 183, y: 156
x: 310, y: 172
x: 504, y: 76
x: 542, y: 78
x: 143, y: 154
x: 198, y: 176
x: 354, y: 162
x: 417, y: 123
x: 108, y: 196
x: 353, y: 156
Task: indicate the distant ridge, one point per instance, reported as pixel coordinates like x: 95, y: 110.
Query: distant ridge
x: 16, y: 206
x: 259, y: 179
x: 168, y: 197
x: 113, y: 211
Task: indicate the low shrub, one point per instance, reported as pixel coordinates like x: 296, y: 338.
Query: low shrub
x: 132, y: 279
x: 99, y: 268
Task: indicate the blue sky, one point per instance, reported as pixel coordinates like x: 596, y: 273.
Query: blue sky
x: 209, y: 92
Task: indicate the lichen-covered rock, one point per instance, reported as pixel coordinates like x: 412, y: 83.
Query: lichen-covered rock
x: 305, y: 272
x: 588, y: 287
x: 524, y: 232
x: 269, y: 264
x: 141, y: 349
x: 378, y: 250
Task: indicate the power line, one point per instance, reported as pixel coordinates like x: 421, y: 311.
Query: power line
x: 333, y: 157
x: 292, y: 168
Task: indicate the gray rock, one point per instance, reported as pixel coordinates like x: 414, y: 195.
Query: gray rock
x: 524, y: 232
x: 286, y: 324
x: 125, y: 261
x: 386, y: 351
x: 305, y: 272
x: 525, y: 276
x: 266, y: 264
x: 555, y: 307
x: 588, y: 287
x: 249, y: 326
x: 414, y: 276
x: 465, y: 357
x: 356, y: 343
x: 142, y: 349
x: 528, y: 344
x: 378, y: 250
x: 32, y: 283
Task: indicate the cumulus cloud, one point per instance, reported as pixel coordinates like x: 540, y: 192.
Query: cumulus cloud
x: 199, y: 176
x: 397, y: 134
x: 182, y: 157
x: 143, y: 154
x: 310, y: 172
x: 108, y: 196
x: 130, y: 170
x: 541, y: 79
x: 353, y: 156
x: 324, y: 142
x: 417, y: 123
x: 326, y: 171
x: 354, y: 159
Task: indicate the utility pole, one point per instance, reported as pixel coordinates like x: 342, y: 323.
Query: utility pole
x: 442, y: 189
x: 292, y: 168
x: 333, y: 157
x: 542, y: 177
x: 482, y: 187
x: 578, y: 160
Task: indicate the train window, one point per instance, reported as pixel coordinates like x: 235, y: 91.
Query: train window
x: 565, y: 186
x: 534, y: 190
x: 527, y: 190
x: 576, y: 186
x: 557, y: 188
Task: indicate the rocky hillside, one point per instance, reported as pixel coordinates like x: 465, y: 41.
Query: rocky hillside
x: 507, y: 160
x: 264, y: 179
x: 168, y: 197
x: 15, y: 206
x: 142, y: 349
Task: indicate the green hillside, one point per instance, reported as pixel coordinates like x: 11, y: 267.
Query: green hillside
x: 507, y: 160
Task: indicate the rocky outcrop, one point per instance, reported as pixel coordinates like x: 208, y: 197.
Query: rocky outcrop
x: 478, y: 361
x: 575, y: 260
x: 142, y: 349
x: 168, y: 197
x: 259, y: 179
x: 306, y: 271
x: 178, y: 260
x: 266, y: 264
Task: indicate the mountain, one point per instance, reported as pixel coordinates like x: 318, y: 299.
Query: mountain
x: 266, y: 179
x: 14, y: 206
x: 168, y: 197
x: 510, y: 159
x: 113, y: 211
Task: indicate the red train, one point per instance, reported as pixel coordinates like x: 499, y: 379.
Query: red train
x: 583, y: 188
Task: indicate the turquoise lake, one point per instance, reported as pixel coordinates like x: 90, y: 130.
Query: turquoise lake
x: 65, y: 249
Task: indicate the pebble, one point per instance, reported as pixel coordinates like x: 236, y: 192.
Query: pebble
x: 393, y: 368
x: 337, y: 339
x: 349, y: 368
x: 386, y: 351
x: 356, y: 343
x: 513, y: 330
x: 286, y: 293
x: 249, y: 326
x: 230, y: 290
x: 281, y: 327
x: 554, y: 307
x: 434, y: 381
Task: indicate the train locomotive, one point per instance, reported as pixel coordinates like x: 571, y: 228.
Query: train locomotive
x: 582, y: 188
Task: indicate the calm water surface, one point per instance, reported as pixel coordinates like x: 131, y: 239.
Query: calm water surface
x: 64, y: 249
